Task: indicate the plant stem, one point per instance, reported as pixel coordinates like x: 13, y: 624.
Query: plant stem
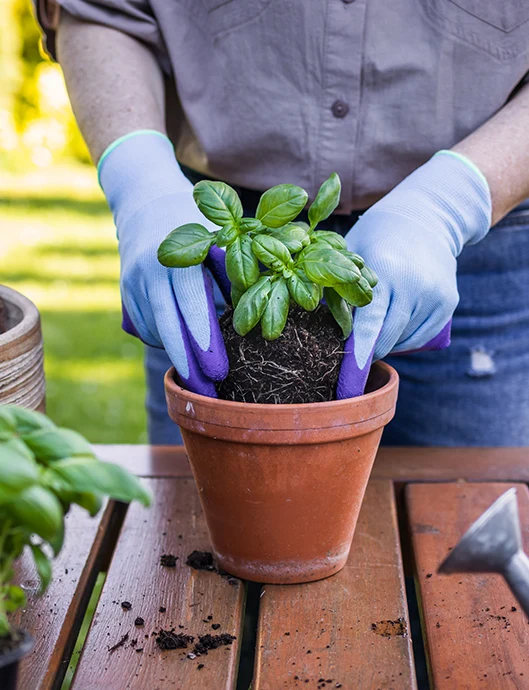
x: 6, y: 561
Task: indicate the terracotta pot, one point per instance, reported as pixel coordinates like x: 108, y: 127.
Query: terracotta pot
x: 9, y: 662
x: 281, y: 485
x: 21, y: 354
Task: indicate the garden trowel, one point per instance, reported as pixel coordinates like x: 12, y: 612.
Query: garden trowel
x: 494, y: 545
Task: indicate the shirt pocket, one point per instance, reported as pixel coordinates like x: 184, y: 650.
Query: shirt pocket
x: 224, y: 16
x: 497, y: 26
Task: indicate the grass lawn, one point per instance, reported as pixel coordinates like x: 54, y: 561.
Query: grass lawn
x: 59, y: 249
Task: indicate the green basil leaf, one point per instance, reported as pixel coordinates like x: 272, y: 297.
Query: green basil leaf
x: 327, y: 199
x: 54, y: 444
x: 15, y: 598
x: 275, y: 314
x: 358, y: 294
x: 218, y: 202
x: 91, y: 501
x: 355, y: 258
x: 341, y: 311
x: 330, y: 238
x: 27, y: 420
x: 39, y: 510
x: 7, y: 422
x: 18, y: 468
x: 369, y: 275
x: 242, y: 266
x: 186, y: 246
x: 281, y: 204
x: 251, y: 306
x: 328, y: 267
x: 236, y: 294
x: 227, y: 235
x: 89, y: 473
x: 293, y: 236
x: 43, y: 566
x: 271, y: 252
x: 251, y: 225
x: 303, y: 291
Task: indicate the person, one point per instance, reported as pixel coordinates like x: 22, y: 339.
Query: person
x: 422, y: 108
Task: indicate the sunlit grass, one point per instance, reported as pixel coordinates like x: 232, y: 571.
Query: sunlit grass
x: 58, y: 247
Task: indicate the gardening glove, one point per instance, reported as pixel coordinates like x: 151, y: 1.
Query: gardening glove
x: 170, y: 308
x: 411, y: 239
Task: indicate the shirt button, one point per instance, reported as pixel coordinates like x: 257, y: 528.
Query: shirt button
x: 339, y: 108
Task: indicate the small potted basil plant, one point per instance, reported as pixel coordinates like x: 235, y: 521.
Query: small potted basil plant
x: 43, y: 471
x: 281, y: 465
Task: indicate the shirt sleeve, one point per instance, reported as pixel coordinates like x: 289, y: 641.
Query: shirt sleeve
x: 132, y: 17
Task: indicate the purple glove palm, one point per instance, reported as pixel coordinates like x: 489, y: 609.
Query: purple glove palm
x: 170, y: 308
x: 411, y: 239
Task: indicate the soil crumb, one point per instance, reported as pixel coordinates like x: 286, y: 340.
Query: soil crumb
x: 388, y: 628
x: 301, y: 366
x: 126, y: 605
x: 208, y: 642
x: 203, y: 560
x: 168, y: 639
x: 168, y: 560
x: 139, y: 621
x: 119, y: 644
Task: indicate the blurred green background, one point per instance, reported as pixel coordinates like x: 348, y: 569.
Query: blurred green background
x: 58, y: 244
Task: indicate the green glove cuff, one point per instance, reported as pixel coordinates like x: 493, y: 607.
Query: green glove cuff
x: 119, y: 141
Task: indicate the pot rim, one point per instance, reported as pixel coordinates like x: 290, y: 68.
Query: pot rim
x: 337, y: 405
x: 30, y: 315
x: 15, y: 655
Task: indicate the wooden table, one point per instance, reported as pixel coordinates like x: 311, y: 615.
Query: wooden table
x: 350, y: 631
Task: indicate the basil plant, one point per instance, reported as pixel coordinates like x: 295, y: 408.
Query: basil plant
x: 43, y: 470
x: 273, y: 259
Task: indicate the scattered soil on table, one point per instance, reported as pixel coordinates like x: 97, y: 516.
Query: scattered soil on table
x: 388, y: 628
x: 203, y: 560
x: 8, y: 644
x: 139, y: 621
x: 168, y: 560
x: 168, y: 639
x: 208, y: 642
x: 301, y: 366
x: 119, y: 644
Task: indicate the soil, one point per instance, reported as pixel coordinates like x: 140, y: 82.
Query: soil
x: 8, y: 644
x: 119, y: 644
x: 301, y: 366
x: 389, y: 628
x: 168, y: 639
x: 208, y: 642
x: 168, y: 560
x: 203, y: 560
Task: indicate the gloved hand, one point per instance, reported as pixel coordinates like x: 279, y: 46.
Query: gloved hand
x: 171, y: 308
x: 411, y: 239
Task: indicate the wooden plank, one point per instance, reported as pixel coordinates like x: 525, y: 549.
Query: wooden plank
x: 173, y: 525
x: 148, y: 461
x: 398, y: 464
x: 54, y: 619
x: 334, y: 629
x: 451, y: 464
x: 477, y: 635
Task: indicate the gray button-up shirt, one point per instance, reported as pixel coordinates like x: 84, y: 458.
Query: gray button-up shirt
x: 291, y: 90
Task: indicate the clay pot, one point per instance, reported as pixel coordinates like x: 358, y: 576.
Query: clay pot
x: 21, y: 354
x: 9, y: 662
x: 281, y: 485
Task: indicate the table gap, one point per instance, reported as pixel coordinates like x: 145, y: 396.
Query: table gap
x: 412, y: 596
x: 249, y: 636
x: 78, y: 633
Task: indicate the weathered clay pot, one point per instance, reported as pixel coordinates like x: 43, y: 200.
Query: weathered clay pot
x: 281, y: 485
x: 21, y: 354
x: 9, y: 662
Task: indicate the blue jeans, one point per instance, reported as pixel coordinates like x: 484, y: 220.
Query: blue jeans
x: 475, y: 393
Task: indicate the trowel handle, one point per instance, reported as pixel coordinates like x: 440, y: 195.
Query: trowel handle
x: 517, y: 576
